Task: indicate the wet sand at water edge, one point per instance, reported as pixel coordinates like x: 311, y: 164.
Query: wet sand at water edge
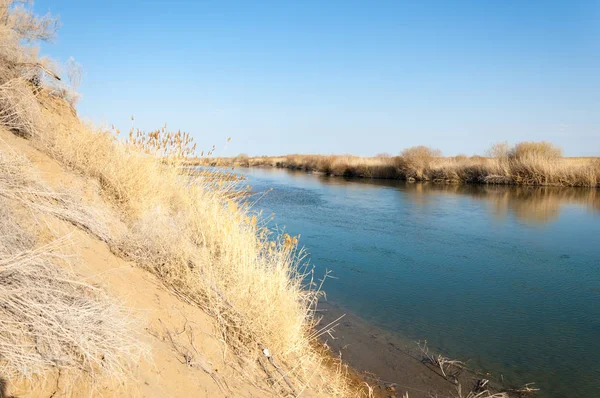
x: 389, y: 363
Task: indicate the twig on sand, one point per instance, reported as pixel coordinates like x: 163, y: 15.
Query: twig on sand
x: 526, y: 389
x: 279, y: 370
x: 451, y: 369
x: 481, y: 394
x: 445, y: 365
x: 191, y: 360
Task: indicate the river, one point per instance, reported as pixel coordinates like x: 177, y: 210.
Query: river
x: 506, y: 278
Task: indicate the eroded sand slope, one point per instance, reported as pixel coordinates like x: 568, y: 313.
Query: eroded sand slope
x: 187, y: 359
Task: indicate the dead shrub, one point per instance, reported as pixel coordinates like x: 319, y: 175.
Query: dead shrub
x: 541, y: 150
x: 414, y: 161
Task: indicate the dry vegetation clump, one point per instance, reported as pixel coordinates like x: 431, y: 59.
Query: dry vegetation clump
x: 482, y: 388
x: 346, y: 165
x: 242, y: 160
x: 538, y: 163
x: 541, y: 163
x: 49, y: 320
x: 414, y: 162
x: 449, y: 368
x: 543, y: 150
x: 23, y: 73
x: 191, y: 230
x: 526, y: 163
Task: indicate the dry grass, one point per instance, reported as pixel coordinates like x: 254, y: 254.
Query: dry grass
x: 527, y: 163
x: 449, y: 368
x: 49, y: 320
x: 482, y: 388
x: 190, y: 230
x: 414, y: 162
x: 480, y: 394
x: 210, y: 250
x: 543, y: 149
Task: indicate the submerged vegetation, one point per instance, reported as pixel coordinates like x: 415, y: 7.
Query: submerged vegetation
x: 191, y: 231
x: 526, y: 163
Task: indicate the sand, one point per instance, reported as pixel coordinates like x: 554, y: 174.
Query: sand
x: 165, y: 373
x: 384, y: 359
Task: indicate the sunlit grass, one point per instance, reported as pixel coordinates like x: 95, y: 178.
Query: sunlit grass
x: 526, y: 163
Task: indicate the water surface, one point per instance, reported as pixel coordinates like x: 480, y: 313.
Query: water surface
x: 505, y: 277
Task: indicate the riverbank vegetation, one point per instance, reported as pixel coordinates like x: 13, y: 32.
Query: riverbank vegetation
x: 51, y: 320
x: 191, y: 231
x: 526, y: 163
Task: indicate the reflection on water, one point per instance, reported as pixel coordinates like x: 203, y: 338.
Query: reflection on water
x: 505, y: 277
x: 531, y: 204
x: 536, y: 205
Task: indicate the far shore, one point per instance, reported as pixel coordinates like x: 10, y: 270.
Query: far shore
x: 539, y: 164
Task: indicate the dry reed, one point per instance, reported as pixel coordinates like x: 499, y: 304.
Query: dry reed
x: 190, y: 230
x: 527, y: 163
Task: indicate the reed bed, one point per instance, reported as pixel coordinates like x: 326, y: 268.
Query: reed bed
x: 526, y: 163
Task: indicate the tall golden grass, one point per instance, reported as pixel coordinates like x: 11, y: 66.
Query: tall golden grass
x: 208, y: 248
x: 192, y: 231
x: 526, y: 163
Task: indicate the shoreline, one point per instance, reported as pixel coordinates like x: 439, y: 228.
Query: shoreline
x: 392, y: 364
x: 381, y: 358
x: 529, y: 165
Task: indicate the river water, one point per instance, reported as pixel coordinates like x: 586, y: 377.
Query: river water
x: 507, y: 278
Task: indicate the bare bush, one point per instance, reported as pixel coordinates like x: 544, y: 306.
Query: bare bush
x: 18, y: 16
x: 20, y: 68
x: 23, y: 74
x: 542, y: 150
x: 414, y: 161
x: 242, y: 159
x: 499, y: 150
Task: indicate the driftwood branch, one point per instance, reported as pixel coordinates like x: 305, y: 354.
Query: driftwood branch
x: 42, y: 67
x: 281, y: 372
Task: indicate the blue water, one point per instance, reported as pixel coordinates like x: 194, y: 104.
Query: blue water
x: 507, y: 278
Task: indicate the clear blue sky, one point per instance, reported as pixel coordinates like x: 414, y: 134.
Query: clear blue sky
x: 341, y: 76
